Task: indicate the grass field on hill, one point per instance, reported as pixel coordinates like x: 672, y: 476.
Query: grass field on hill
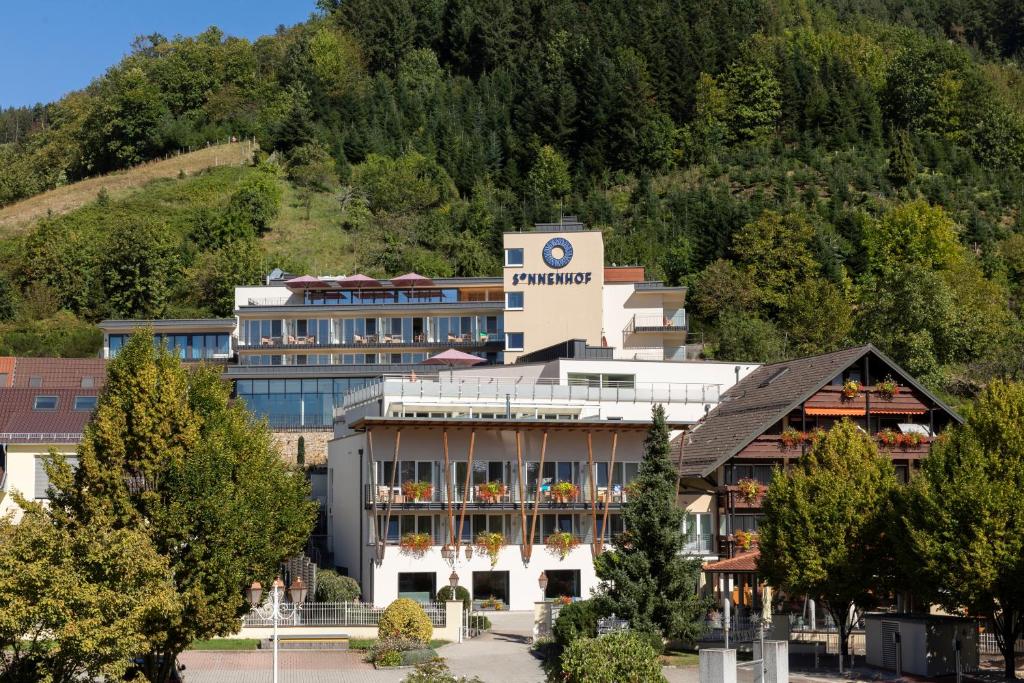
x: 19, y: 216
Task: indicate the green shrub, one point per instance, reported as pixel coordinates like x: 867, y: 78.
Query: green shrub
x: 405, y: 618
x: 479, y: 621
x: 461, y: 593
x: 333, y: 587
x: 614, y: 658
x: 389, y: 658
x: 386, y: 649
x: 576, y: 620
x: 654, y: 639
x: 436, y: 671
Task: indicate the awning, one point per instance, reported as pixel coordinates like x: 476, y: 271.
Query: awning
x: 834, y: 411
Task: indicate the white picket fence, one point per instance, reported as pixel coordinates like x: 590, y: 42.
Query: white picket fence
x: 988, y: 645
x: 342, y: 614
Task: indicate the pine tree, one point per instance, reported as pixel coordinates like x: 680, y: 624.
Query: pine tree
x: 645, y: 579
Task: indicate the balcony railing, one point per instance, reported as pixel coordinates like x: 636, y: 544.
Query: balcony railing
x: 527, y: 389
x: 340, y: 614
x: 656, y: 323
x: 371, y: 340
x: 476, y: 495
x: 698, y: 544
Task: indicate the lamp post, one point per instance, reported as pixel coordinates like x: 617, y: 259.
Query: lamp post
x: 453, y: 581
x: 542, y: 581
x: 276, y: 611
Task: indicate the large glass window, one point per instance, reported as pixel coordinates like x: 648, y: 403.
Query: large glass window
x: 736, y: 472
x: 186, y: 346
x: 697, y: 532
x: 419, y: 586
x: 297, y: 403
x: 562, y: 582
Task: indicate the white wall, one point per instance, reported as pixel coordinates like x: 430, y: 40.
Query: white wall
x: 346, y: 514
x: 243, y: 294
x: 522, y: 580
x: 21, y: 473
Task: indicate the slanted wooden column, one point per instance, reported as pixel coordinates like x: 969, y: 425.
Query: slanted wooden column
x: 448, y: 486
x: 594, y: 543
x: 391, y: 493
x: 375, y: 530
x: 465, y: 492
x: 524, y: 550
x: 536, y: 499
x: 607, y: 495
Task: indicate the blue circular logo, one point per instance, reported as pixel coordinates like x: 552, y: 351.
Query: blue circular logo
x: 554, y: 247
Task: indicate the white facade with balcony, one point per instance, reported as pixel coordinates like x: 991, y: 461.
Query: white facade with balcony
x: 498, y: 447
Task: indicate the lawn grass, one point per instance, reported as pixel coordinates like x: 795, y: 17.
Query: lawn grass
x: 226, y: 644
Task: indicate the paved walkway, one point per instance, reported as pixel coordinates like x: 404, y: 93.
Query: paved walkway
x: 295, y: 667
x: 501, y: 655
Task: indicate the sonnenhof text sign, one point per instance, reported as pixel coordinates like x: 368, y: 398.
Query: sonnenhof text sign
x: 561, y: 279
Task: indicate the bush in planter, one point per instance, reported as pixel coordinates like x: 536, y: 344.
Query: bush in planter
x: 480, y: 622
x: 445, y: 594
x: 333, y: 587
x: 621, y: 656
x: 389, y: 658
x: 405, y: 618
x: 578, y: 620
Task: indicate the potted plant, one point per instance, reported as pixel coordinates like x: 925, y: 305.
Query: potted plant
x: 851, y: 389
x: 416, y: 544
x: 561, y: 543
x: 746, y: 539
x: 563, y: 600
x: 417, y: 490
x: 887, y: 437
x: 887, y: 388
x: 491, y: 542
x: 564, y: 491
x: 791, y: 438
x: 491, y: 492
x: 749, y: 490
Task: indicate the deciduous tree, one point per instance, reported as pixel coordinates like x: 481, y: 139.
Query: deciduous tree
x: 823, y: 533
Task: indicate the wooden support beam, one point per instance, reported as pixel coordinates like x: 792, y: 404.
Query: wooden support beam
x: 524, y: 550
x: 465, y: 492
x: 391, y: 491
x: 373, y: 497
x: 448, y: 486
x: 593, y: 493
x: 536, y: 500
x: 611, y: 481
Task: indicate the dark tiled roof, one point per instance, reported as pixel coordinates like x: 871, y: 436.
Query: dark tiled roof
x: 744, y: 562
x: 18, y: 416
x: 764, y: 397
x: 58, y: 373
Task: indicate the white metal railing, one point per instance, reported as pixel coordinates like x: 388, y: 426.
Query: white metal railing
x: 41, y: 437
x: 340, y: 614
x: 475, y: 388
x: 987, y: 644
x: 662, y: 322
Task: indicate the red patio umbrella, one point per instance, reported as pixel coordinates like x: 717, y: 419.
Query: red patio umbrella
x: 454, y: 358
x: 358, y: 281
x: 306, y: 282
x: 412, y: 280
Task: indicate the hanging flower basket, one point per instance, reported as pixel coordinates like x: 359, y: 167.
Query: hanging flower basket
x: 491, y: 542
x: 887, y: 388
x: 791, y: 438
x: 415, y: 544
x: 564, y: 491
x: 561, y: 543
x: 491, y: 492
x: 749, y: 490
x: 417, y: 490
x: 851, y: 389
x: 746, y: 539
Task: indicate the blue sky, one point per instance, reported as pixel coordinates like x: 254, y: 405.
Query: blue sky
x: 51, y: 47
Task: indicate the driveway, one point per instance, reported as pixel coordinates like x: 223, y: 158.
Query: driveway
x: 501, y: 655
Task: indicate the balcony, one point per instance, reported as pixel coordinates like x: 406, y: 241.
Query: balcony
x: 739, y: 497
x: 699, y: 544
x: 482, y: 388
x: 656, y: 324
x: 375, y: 341
x: 477, y: 497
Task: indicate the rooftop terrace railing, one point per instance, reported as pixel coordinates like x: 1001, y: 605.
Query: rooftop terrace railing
x: 50, y: 437
x: 548, y: 390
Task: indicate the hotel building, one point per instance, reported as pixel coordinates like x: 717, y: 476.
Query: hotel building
x: 539, y: 449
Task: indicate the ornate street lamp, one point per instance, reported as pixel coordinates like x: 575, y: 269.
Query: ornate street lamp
x: 542, y: 581
x: 453, y: 581
x: 448, y: 553
x: 469, y: 552
x: 276, y: 611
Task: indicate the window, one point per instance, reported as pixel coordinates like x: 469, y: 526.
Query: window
x: 3, y: 379
x: 562, y: 582
x: 513, y: 258
x: 85, y: 402
x: 514, y: 301
x: 88, y: 383
x: 45, y: 403
x: 42, y: 480
x: 697, y: 532
x: 513, y: 341
x: 35, y: 381
x: 418, y: 586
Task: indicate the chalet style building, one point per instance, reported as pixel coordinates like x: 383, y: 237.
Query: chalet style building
x: 768, y: 419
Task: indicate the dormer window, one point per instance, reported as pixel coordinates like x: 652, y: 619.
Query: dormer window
x: 85, y: 403
x: 35, y: 381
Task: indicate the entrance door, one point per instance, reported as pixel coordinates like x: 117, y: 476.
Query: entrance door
x: 489, y: 587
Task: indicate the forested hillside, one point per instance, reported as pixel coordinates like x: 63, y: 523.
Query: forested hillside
x: 818, y: 173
